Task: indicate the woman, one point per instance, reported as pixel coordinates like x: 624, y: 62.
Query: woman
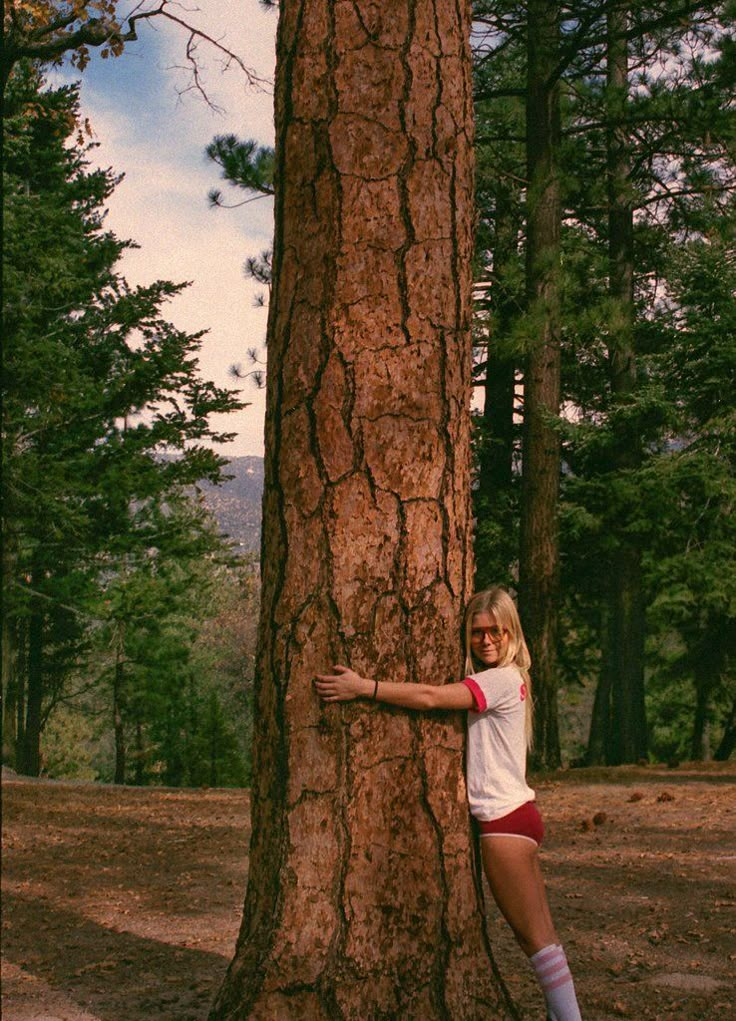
x: 497, y: 694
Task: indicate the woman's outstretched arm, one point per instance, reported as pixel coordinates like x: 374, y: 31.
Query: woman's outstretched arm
x: 344, y: 685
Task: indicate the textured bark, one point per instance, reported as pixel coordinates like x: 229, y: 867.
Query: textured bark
x: 539, y: 549
x: 362, y: 900
x: 626, y: 651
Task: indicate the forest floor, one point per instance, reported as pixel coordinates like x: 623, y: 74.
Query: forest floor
x: 123, y: 904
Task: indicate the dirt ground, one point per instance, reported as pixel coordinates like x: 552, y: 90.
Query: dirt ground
x: 123, y: 904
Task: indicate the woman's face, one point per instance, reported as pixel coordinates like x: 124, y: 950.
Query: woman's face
x: 488, y: 641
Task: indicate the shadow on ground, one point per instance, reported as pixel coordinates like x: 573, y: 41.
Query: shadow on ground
x: 112, y: 974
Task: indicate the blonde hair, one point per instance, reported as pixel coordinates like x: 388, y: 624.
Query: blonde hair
x: 498, y: 602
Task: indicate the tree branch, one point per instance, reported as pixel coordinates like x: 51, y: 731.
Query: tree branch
x: 50, y: 41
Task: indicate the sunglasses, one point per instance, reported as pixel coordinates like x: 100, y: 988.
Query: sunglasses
x: 495, y: 633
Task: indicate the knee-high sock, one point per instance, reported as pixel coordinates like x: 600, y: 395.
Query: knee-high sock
x: 553, y: 975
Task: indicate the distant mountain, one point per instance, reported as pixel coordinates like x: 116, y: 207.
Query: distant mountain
x: 236, y: 503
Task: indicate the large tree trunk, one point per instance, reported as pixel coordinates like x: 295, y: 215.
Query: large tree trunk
x: 626, y: 650
x: 361, y: 900
x: 539, y: 551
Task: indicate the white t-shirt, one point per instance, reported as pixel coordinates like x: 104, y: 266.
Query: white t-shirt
x: 496, y: 761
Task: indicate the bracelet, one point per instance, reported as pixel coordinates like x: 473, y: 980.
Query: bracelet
x: 375, y: 691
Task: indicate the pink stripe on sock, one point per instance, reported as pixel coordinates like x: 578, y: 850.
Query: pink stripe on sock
x: 545, y: 952
x: 561, y: 981
x: 550, y: 965
x: 545, y: 980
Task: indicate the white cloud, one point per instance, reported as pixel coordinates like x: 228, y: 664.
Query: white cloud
x: 156, y: 138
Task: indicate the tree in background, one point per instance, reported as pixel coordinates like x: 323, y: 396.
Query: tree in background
x: 188, y: 644
x: 539, y: 554
x: 691, y: 557
x: 97, y: 386
x: 248, y: 167
x: 519, y: 60
x: 499, y: 62
x: 168, y: 696
x: 644, y: 149
x: 653, y: 136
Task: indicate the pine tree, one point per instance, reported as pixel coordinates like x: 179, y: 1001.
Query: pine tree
x: 97, y: 386
x: 691, y: 556
x: 640, y: 159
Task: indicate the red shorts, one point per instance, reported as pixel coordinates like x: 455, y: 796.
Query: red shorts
x: 524, y: 821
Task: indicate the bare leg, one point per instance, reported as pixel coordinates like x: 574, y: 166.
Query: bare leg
x: 511, y: 865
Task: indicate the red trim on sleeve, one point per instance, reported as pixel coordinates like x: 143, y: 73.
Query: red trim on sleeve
x: 479, y: 699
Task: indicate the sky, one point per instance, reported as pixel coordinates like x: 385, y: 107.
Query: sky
x: 154, y: 133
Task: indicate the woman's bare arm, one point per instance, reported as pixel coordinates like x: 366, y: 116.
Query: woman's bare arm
x: 345, y: 684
